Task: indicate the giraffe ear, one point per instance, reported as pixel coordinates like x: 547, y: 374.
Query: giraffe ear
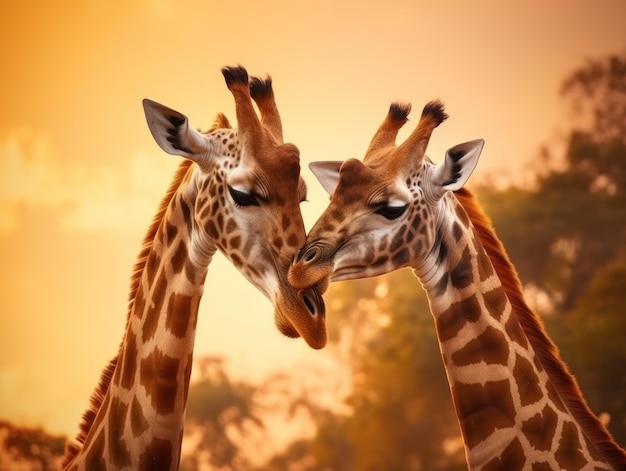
x: 172, y: 133
x: 327, y: 173
x: 460, y: 162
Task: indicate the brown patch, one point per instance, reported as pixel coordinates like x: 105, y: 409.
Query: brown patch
x: 158, y: 456
x: 236, y: 259
x: 540, y: 429
x: 398, y: 239
x: 511, y: 459
x: 457, y: 231
x: 235, y: 242
x: 490, y: 347
x: 292, y: 240
x: 450, y: 322
x: 152, y: 266
x: 94, y: 460
x: 416, y: 221
x: 151, y: 320
x: 277, y: 242
x: 495, y: 302
x: 159, y: 377
x: 139, y: 303
x: 118, y: 450
x: 400, y: 258
x: 138, y: 422
x: 381, y: 260
x: 461, y: 276
x: 541, y: 466
x: 186, y: 211
x: 171, y: 231
x: 286, y: 222
x: 179, y: 257
x: 231, y: 226
x: 211, y: 229
x: 188, y: 367
x: 483, y: 409
x: 179, y: 311
x: 128, y: 363
x: 569, y: 454
x: 527, y: 381
x: 485, y: 268
x: 442, y: 285
x: 382, y: 243
x: 515, y: 332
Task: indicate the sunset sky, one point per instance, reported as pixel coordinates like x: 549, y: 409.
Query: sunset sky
x: 81, y: 177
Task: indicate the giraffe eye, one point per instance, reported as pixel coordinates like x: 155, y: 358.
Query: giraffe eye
x: 241, y: 198
x: 391, y: 212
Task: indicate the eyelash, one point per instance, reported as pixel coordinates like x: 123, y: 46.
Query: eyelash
x: 242, y: 198
x: 391, y: 212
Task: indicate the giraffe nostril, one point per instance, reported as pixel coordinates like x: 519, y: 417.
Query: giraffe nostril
x: 309, y: 255
x: 309, y: 302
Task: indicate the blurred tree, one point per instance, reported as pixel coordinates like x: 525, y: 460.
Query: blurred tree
x: 401, y: 414
x: 574, y: 220
x: 216, y: 408
x: 565, y: 234
x: 27, y: 448
x: 593, y: 341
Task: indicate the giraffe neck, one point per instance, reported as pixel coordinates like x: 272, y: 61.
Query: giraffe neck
x: 510, y: 413
x: 140, y: 418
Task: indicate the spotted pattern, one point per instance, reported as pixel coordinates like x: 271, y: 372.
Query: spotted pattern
x: 501, y: 392
x: 510, y: 411
x: 139, y: 422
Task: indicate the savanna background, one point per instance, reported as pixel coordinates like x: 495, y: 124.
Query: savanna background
x: 544, y: 83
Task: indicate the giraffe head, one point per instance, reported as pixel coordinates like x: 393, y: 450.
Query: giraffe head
x: 383, y: 211
x: 246, y: 191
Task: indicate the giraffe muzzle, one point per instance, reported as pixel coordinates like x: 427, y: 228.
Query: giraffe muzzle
x: 311, y: 266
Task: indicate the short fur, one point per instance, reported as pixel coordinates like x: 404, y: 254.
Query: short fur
x: 563, y: 380
x: 435, y: 109
x: 260, y: 87
x: 234, y: 75
x: 400, y: 111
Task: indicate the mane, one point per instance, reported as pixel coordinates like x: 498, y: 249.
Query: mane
x: 547, y: 352
x: 98, y: 395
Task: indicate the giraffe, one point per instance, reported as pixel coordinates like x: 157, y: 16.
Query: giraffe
x: 517, y: 404
x: 237, y: 191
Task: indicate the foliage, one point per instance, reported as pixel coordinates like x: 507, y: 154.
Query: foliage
x: 561, y: 234
x: 29, y: 448
x: 400, y: 408
x: 216, y: 408
x: 567, y: 236
x: 592, y: 338
x: 574, y: 220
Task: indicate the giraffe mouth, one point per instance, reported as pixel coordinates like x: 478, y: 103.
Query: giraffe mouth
x: 347, y: 273
x: 302, y: 313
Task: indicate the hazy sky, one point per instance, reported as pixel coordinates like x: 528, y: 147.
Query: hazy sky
x: 80, y: 176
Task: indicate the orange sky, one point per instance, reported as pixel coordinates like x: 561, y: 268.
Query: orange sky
x: 80, y: 176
